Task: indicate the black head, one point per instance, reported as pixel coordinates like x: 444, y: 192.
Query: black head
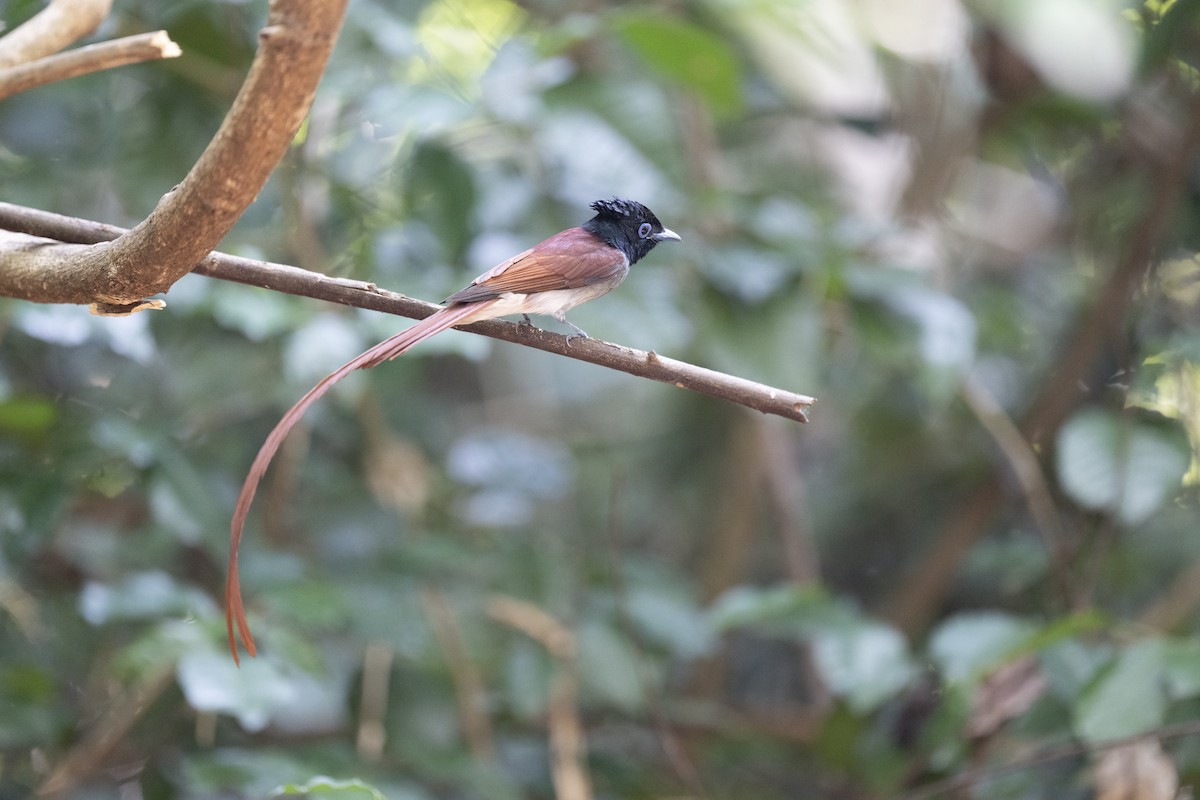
x: 628, y: 226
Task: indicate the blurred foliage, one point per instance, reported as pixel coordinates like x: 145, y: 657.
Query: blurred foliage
x: 904, y: 208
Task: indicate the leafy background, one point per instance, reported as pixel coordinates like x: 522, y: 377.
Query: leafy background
x: 905, y: 209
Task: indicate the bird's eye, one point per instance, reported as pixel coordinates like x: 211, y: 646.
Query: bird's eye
x: 644, y: 230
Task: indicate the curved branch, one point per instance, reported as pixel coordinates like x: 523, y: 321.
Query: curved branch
x: 191, y: 220
x: 72, y: 232
x: 82, y: 60
x: 52, y: 29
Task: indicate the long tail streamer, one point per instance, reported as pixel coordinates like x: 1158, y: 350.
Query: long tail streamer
x: 235, y: 611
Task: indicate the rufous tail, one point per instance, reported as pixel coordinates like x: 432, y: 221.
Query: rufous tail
x: 235, y: 611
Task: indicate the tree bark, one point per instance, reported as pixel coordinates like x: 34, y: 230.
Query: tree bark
x: 52, y: 29
x: 22, y: 227
x: 191, y: 219
x: 82, y: 60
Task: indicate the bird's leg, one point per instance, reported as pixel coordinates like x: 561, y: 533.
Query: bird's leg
x: 579, y: 333
x: 526, y: 321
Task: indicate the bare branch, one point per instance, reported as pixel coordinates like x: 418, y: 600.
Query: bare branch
x: 92, y: 58
x: 534, y: 622
x: 568, y: 739
x: 95, y: 748
x: 1040, y: 757
x: 373, y: 703
x: 1177, y: 604
x: 470, y: 692
x: 192, y: 218
x: 1025, y: 466
x: 52, y: 29
x: 293, y: 280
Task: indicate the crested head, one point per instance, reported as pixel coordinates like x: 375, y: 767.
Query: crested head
x: 628, y: 226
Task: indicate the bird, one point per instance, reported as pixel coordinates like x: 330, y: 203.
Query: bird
x: 550, y: 278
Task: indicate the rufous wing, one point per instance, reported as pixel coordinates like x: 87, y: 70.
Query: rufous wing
x: 568, y: 260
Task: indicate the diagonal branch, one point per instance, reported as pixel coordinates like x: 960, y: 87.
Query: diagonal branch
x: 82, y: 60
x: 191, y: 219
x: 1043, y: 756
x: 25, y: 223
x: 52, y: 29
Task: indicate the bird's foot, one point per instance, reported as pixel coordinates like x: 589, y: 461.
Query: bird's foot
x: 579, y: 333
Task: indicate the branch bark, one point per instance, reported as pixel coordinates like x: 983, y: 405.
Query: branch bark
x: 52, y: 29
x: 23, y: 223
x: 192, y: 218
x: 82, y: 60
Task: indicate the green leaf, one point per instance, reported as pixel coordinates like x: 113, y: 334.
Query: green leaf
x: 1181, y: 662
x: 28, y: 418
x: 688, y: 55
x: 255, y: 314
x: 527, y: 679
x: 967, y: 645
x: 1071, y: 665
x: 320, y: 346
x: 161, y: 646
x: 787, y: 610
x: 255, y: 772
x: 1128, y: 698
x: 608, y: 667
x: 321, y: 786
x: 142, y: 595
x: 670, y: 619
x: 861, y: 660
x: 440, y: 189
x: 946, y: 325
x: 212, y: 682
x: 1170, y: 35
x: 866, y: 663
x: 1122, y: 466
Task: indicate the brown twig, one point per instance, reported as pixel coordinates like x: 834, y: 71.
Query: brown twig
x: 21, y: 606
x: 535, y: 623
x: 372, y: 713
x: 191, y: 219
x: 52, y: 29
x: 568, y: 742
x: 470, y: 693
x: 293, y: 280
x: 1048, y: 755
x: 1024, y: 463
x: 1177, y: 604
x: 96, y: 747
x: 92, y: 58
